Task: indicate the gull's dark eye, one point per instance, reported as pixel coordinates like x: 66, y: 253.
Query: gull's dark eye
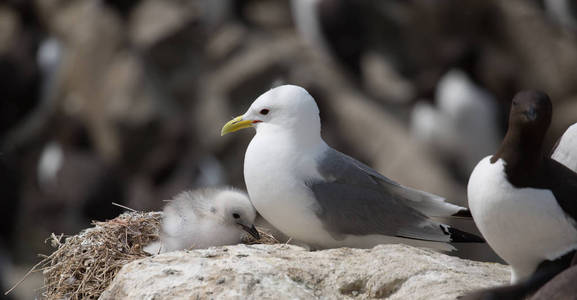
x: 264, y: 111
x: 235, y: 215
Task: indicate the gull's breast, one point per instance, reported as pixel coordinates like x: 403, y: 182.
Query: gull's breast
x: 275, y: 178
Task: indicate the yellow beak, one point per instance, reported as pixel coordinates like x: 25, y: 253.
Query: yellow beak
x: 235, y: 124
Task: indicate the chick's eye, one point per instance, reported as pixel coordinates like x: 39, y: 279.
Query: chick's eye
x: 264, y: 111
x: 235, y: 215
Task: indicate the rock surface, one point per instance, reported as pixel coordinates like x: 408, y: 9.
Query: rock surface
x: 286, y: 271
x: 561, y: 286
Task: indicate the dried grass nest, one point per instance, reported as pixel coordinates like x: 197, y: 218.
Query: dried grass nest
x: 83, y: 265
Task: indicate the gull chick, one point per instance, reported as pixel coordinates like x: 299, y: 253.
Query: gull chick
x: 324, y: 198
x: 205, y: 218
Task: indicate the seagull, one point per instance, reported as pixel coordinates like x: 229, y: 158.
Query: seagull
x: 565, y: 151
x: 324, y: 198
x: 523, y: 202
x: 205, y: 218
x: 463, y: 126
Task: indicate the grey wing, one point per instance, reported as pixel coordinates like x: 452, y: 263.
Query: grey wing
x: 353, y: 200
x: 428, y: 204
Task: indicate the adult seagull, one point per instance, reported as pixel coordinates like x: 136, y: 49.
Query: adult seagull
x: 324, y: 198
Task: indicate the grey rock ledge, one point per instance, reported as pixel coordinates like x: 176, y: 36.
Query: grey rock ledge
x: 291, y: 272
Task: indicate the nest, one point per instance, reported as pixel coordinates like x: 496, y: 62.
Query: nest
x: 265, y: 237
x: 84, y: 265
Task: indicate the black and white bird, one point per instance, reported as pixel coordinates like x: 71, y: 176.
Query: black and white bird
x: 324, y: 198
x: 523, y: 202
x: 205, y: 218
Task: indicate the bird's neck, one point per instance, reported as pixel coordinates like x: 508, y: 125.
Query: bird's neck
x: 523, y: 156
x: 301, y: 137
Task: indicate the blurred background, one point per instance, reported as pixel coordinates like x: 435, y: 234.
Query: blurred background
x: 122, y: 101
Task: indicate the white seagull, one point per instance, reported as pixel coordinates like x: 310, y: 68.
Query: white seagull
x: 324, y: 198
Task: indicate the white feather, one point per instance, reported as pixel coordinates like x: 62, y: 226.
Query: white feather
x: 566, y: 151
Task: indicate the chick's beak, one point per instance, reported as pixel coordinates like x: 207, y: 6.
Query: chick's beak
x: 235, y: 124
x: 251, y: 230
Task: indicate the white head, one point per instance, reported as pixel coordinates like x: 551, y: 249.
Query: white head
x: 285, y: 108
x: 232, y: 207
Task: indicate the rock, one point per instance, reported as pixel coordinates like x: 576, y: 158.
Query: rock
x: 525, y: 27
x: 287, y: 271
x: 561, y: 286
x: 564, y: 115
x: 267, y: 14
x: 168, y: 17
x: 384, y: 82
x: 9, y: 28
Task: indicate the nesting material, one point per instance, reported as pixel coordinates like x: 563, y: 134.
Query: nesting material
x: 83, y: 265
x: 265, y: 237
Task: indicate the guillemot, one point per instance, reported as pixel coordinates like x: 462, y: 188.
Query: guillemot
x: 524, y: 202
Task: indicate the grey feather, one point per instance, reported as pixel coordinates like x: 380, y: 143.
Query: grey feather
x: 354, y: 199
x: 426, y: 203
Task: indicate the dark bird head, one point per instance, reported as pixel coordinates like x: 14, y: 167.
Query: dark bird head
x: 531, y: 113
x: 522, y: 148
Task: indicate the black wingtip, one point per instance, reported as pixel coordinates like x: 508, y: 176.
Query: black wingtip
x: 458, y: 236
x: 463, y: 213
